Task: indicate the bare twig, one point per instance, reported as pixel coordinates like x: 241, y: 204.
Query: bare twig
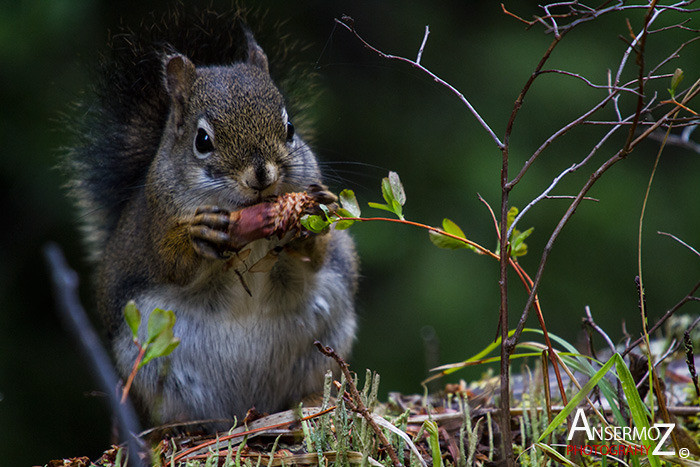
x: 589, y: 83
x: 65, y: 283
x: 680, y: 241
x: 588, y: 321
x: 347, y: 23
x: 359, y: 407
x: 688, y: 298
x: 675, y: 54
x: 422, y: 45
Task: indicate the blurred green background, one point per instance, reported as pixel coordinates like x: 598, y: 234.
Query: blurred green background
x: 418, y: 305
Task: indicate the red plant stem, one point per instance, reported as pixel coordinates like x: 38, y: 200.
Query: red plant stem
x: 482, y: 250
x: 134, y: 369
x: 525, y: 278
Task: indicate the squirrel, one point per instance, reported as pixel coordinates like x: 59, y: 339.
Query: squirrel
x: 186, y: 120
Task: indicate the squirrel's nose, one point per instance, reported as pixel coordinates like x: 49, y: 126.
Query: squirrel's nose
x: 261, y: 176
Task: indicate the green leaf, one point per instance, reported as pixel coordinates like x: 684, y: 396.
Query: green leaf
x: 518, y: 245
x: 585, y: 367
x: 397, y: 190
x: 637, y: 407
x: 394, y: 195
x: 132, y: 316
x: 344, y: 224
x: 451, y: 228
x: 576, y: 399
x: 556, y: 454
x: 445, y: 242
x: 349, y: 202
x: 512, y: 214
x: 675, y: 82
x: 380, y: 206
x: 326, y: 211
x: 396, y: 209
x: 449, y: 243
x: 314, y: 223
x: 159, y: 321
x: 161, y: 341
x: 161, y: 347
x: 386, y: 191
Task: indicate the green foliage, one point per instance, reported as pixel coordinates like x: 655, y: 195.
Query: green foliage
x: 450, y: 237
x: 160, y: 340
x: 450, y: 243
x: 518, y: 247
x: 349, y: 208
x: 394, y: 195
x: 343, y: 217
x: 314, y: 223
x: 132, y: 315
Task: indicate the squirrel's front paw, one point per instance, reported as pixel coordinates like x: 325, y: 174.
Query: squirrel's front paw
x: 209, y: 232
x: 216, y: 232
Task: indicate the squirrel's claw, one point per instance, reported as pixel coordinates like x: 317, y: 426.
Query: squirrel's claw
x: 209, y: 232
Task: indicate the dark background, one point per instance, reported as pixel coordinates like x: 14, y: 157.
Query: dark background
x: 371, y: 116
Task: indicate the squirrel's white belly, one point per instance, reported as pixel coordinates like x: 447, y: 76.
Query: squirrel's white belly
x: 238, y: 350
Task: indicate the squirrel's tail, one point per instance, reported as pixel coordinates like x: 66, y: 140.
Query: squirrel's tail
x: 119, y: 126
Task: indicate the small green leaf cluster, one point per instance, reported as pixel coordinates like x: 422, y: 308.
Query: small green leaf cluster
x: 450, y: 237
x: 160, y: 340
x: 349, y: 209
x: 343, y: 217
x: 394, y: 195
x: 518, y: 247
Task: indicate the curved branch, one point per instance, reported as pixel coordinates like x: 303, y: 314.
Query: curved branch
x: 347, y: 23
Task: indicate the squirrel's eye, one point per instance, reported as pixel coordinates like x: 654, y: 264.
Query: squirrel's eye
x: 203, y: 143
x: 290, y: 132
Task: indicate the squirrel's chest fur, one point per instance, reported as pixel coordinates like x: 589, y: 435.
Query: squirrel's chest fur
x: 240, y: 350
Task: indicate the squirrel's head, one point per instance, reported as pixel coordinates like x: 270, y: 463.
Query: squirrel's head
x: 228, y: 140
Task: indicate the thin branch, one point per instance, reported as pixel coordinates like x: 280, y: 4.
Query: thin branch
x: 574, y: 205
x: 680, y: 241
x: 565, y: 129
x: 675, y: 54
x: 567, y: 171
x: 572, y: 208
x: 680, y: 25
x: 640, y: 39
x: 422, y: 45
x: 359, y: 407
x: 589, y: 83
x: 65, y: 284
x: 591, y: 323
x: 347, y: 23
x: 688, y: 298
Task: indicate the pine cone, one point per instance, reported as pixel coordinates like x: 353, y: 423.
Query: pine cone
x: 278, y: 217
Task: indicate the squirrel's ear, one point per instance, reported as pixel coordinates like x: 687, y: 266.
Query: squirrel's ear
x: 179, y: 76
x: 256, y: 56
